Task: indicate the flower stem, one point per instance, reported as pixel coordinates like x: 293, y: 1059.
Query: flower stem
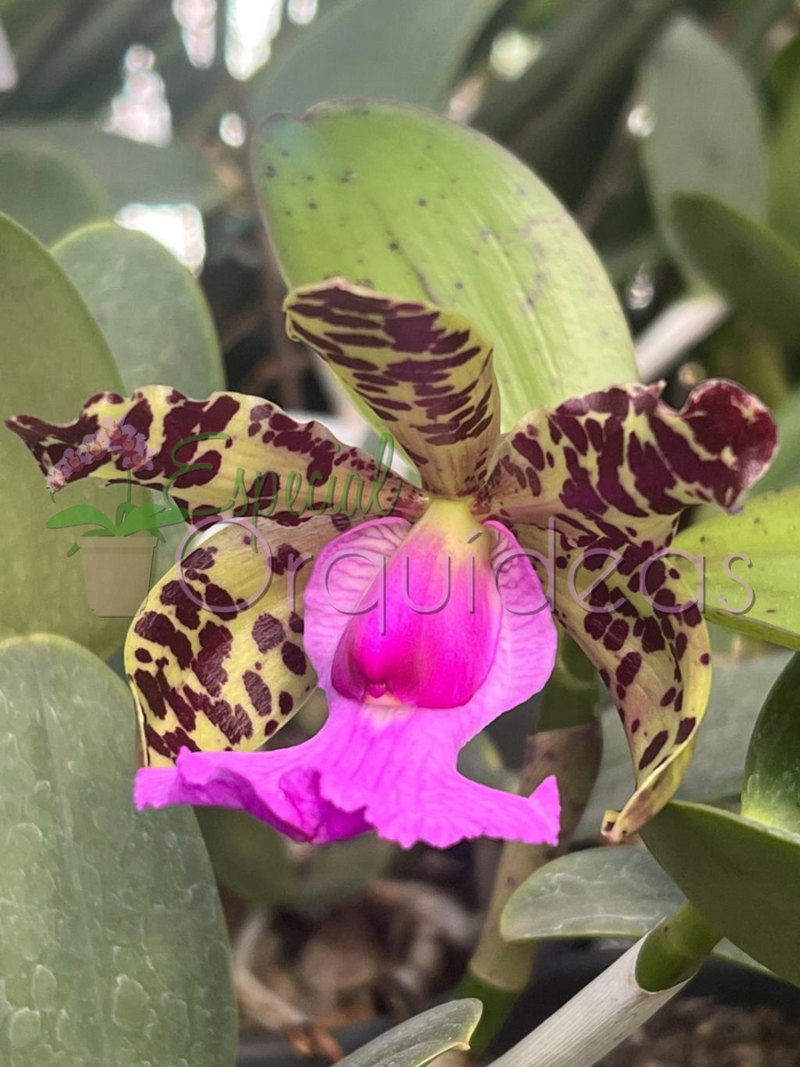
x: 569, y: 746
x: 674, y: 951
x: 619, y: 1000
x: 129, y: 488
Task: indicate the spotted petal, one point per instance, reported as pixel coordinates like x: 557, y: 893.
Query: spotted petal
x: 622, y: 464
x: 426, y: 372
x: 230, y: 452
x: 656, y: 663
x: 215, y: 657
x: 598, y: 483
x: 392, y: 767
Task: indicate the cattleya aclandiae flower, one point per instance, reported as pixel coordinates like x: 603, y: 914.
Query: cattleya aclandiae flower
x: 411, y: 676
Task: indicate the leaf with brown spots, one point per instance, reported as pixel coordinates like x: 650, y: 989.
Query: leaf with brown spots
x: 425, y: 372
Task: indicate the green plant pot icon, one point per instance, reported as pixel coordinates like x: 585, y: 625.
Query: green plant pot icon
x: 117, y: 573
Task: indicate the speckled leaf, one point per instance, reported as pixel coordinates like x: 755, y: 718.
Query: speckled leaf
x: 53, y: 357
x: 737, y: 693
x: 599, y: 892
x: 771, y: 790
x: 410, y: 204
x: 410, y: 52
x: 706, y: 125
x: 741, y: 876
x: 48, y: 191
x: 749, y: 263
x: 421, y: 1039
x: 767, y: 533
x: 114, y: 950
x: 150, y: 308
x: 128, y: 172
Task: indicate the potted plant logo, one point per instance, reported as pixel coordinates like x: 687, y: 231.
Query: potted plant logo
x: 118, y: 555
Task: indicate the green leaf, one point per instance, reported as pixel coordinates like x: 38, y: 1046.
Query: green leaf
x: 77, y: 515
x: 122, y: 511
x: 150, y: 517
x: 740, y: 875
x: 248, y: 857
x: 114, y: 948
x: 771, y: 791
x: 150, y: 308
x: 52, y: 358
x: 706, y: 127
x: 767, y: 535
x: 48, y: 191
x: 737, y: 694
x: 599, y: 892
x: 129, y: 172
x: 745, y: 260
x: 328, y: 874
x: 421, y: 1039
x: 784, y: 159
x: 417, y: 206
x: 410, y: 52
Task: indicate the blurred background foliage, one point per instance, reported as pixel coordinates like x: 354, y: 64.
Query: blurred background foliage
x: 671, y: 131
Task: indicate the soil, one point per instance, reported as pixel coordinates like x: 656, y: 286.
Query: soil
x: 695, y: 1032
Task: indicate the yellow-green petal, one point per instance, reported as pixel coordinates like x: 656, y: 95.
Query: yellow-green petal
x: 425, y: 372
x: 231, y: 452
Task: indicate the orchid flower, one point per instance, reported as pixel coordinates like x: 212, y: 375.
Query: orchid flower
x: 56, y: 479
x: 217, y: 665
x: 138, y: 455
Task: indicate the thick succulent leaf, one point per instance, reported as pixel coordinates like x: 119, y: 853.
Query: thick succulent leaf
x: 150, y: 308
x: 771, y: 789
x: 129, y: 172
x: 215, y: 656
x: 599, y: 892
x: 248, y: 857
x: 426, y: 373
x: 114, y: 946
x: 608, y: 474
x: 241, y: 453
x: 48, y: 191
x: 752, y: 567
x: 737, y: 692
x: 403, y: 201
x: 752, y: 265
x: 706, y: 132
x: 410, y: 52
x: 742, y: 876
x: 329, y: 874
x: 52, y: 357
x: 421, y: 1039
